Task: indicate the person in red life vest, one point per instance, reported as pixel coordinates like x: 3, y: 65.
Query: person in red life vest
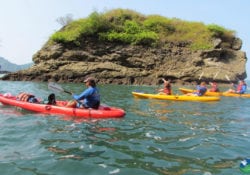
x: 239, y: 89
x: 167, y: 89
x: 214, y: 87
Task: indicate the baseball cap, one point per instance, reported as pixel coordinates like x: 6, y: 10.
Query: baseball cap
x: 89, y: 79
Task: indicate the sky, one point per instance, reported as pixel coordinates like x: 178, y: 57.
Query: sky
x: 26, y: 25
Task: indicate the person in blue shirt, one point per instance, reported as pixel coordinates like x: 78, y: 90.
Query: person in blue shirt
x: 200, y: 90
x: 89, y: 98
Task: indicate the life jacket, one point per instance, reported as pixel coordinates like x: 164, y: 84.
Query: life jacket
x: 167, y: 90
x: 24, y: 96
x: 27, y: 97
x: 239, y: 87
x: 214, y: 88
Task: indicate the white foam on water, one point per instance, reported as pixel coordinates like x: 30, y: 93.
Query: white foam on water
x: 103, y: 165
x: 114, y: 171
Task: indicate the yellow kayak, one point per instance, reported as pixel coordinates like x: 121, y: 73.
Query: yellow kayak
x: 175, y: 97
x: 226, y: 94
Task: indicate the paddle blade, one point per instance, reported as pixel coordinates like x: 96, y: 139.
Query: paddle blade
x: 216, y: 75
x: 201, y: 75
x: 227, y: 78
x: 56, y: 87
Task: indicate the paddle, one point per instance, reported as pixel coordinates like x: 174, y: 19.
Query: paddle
x: 232, y: 84
x: 56, y: 87
x: 201, y: 75
x: 216, y: 74
x: 228, y: 79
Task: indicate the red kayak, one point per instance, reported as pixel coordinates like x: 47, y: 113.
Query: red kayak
x: 101, y: 113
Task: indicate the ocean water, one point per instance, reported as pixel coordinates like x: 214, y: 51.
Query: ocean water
x: 155, y: 136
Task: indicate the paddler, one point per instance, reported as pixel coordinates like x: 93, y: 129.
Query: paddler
x: 240, y: 88
x: 214, y: 87
x: 89, y: 98
x: 200, y: 90
x: 167, y: 87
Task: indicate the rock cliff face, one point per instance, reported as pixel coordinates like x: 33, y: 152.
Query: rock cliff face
x: 125, y: 64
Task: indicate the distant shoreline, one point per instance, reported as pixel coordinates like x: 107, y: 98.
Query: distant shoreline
x: 4, y: 72
x: 1, y: 75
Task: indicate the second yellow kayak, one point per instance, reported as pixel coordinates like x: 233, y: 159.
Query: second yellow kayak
x: 226, y: 94
x: 175, y: 97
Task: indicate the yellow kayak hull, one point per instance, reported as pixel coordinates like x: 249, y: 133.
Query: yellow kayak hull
x: 175, y: 97
x: 226, y: 94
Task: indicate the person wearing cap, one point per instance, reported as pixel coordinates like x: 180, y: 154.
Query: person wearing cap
x: 89, y: 98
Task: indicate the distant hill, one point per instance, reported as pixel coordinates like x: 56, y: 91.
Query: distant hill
x: 11, y: 67
x: 126, y: 47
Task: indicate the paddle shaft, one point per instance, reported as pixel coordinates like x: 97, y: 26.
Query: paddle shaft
x: 228, y: 78
x: 67, y: 92
x: 201, y: 75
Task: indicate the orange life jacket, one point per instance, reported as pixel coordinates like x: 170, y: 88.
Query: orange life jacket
x: 24, y: 96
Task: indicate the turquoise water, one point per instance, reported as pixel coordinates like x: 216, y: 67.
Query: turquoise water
x: 155, y: 137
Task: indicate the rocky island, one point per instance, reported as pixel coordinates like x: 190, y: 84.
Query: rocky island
x: 125, y: 47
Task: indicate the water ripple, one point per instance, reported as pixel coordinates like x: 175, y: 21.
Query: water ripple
x: 155, y: 137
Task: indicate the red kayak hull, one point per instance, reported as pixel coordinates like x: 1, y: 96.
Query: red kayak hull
x: 101, y: 113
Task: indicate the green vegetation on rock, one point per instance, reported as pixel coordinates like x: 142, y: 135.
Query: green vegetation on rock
x: 130, y: 27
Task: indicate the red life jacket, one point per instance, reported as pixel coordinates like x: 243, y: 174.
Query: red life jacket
x: 167, y: 90
x: 214, y: 87
x: 239, y: 87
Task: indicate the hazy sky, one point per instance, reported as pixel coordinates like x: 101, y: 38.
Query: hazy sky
x: 27, y: 24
